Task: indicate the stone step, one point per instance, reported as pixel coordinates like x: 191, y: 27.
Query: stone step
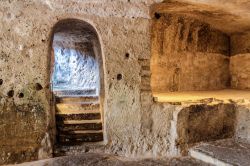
x: 81, y: 137
x: 63, y: 107
x: 79, y: 116
x: 69, y: 112
x: 80, y: 121
x: 222, y: 153
x: 72, y: 149
x: 84, y: 126
x: 77, y: 99
x: 79, y: 132
x: 77, y: 93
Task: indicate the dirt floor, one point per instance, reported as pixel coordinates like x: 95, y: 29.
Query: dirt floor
x: 94, y: 159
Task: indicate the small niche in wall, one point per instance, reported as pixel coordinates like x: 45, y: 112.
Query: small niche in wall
x: 157, y: 15
x: 21, y: 95
x: 10, y: 93
x: 127, y: 55
x: 119, y: 77
x: 38, y: 87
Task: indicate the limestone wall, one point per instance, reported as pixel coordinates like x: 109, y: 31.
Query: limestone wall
x: 240, y: 71
x: 203, y: 122
x: 25, y: 35
x: 188, y: 55
x: 240, y: 60
x: 242, y: 126
x: 133, y: 124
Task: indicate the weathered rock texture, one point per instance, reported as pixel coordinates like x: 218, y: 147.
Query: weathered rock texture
x: 26, y: 39
x: 188, y: 55
x: 112, y: 160
x: 222, y: 152
x: 204, y: 122
x: 242, y: 126
x: 240, y: 60
x: 133, y: 124
x: 23, y: 129
x: 240, y: 71
x: 76, y: 62
x: 229, y: 16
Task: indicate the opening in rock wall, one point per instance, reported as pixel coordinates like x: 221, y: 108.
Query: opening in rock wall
x: 191, y: 57
x: 76, y: 82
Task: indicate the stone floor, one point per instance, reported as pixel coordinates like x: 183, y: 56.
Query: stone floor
x: 94, y: 159
x: 223, y: 152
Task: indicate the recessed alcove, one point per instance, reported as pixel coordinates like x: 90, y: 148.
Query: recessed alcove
x: 192, y: 60
x: 200, y: 63
x: 76, y: 60
x: 77, y: 83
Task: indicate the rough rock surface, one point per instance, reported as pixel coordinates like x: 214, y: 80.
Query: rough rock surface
x: 110, y: 160
x: 240, y: 71
x: 242, y: 125
x: 17, y: 145
x: 133, y: 124
x: 229, y: 16
x: 26, y: 39
x: 223, y: 152
x: 188, y: 54
x: 239, y: 62
x: 203, y: 122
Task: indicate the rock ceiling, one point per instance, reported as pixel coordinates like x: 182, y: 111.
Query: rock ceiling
x: 229, y: 16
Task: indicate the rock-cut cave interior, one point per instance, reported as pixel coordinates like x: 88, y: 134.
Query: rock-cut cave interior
x: 125, y: 82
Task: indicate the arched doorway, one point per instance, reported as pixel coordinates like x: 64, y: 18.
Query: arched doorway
x: 77, y: 82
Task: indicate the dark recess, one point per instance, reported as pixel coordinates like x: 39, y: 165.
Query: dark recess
x: 21, y: 95
x: 38, y: 86
x: 119, y: 76
x: 10, y: 93
x: 157, y: 15
x: 127, y: 55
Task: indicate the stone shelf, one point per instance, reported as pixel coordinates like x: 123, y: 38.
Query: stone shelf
x: 226, y: 95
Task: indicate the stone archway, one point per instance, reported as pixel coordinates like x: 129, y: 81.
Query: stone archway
x: 77, y: 82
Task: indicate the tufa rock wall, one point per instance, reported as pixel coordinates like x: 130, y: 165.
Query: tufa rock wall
x: 240, y: 60
x: 204, y: 122
x: 25, y: 35
x: 188, y: 55
x: 133, y: 125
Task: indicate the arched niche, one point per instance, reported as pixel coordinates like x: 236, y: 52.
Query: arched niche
x: 77, y: 81
x: 76, y: 42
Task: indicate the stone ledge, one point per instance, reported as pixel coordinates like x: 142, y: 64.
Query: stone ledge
x: 223, y: 152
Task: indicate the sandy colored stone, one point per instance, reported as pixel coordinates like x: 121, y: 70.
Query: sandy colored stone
x: 187, y: 55
x: 134, y: 125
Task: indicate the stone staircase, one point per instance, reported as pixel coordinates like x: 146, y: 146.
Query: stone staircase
x: 78, y: 120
